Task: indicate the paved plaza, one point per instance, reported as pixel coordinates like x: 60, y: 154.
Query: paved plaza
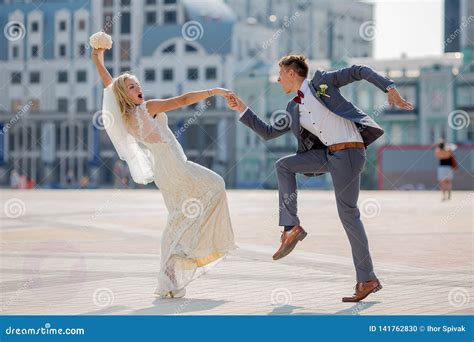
x: 96, y: 252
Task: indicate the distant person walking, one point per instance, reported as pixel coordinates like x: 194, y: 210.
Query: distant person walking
x: 447, y: 163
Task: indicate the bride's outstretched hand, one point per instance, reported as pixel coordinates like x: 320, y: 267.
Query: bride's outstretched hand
x: 221, y: 91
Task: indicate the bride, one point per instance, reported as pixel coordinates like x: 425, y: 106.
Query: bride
x: 198, y: 232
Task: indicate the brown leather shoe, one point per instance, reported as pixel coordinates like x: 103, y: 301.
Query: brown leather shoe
x: 289, y: 240
x: 363, y: 290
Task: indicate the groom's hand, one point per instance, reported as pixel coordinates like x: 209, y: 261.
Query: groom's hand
x: 395, y: 99
x: 235, y: 103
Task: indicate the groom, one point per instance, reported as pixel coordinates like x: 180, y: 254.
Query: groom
x: 332, y: 137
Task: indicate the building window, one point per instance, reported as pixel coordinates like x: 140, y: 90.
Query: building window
x: 108, y: 55
x: 211, y: 73
x: 62, y: 105
x: 169, y: 2
x: 81, y: 104
x: 108, y: 3
x: 168, y: 74
x: 125, y: 50
x: 190, y: 48
x: 62, y: 76
x: 34, y: 77
x: 62, y: 50
x: 62, y: 25
x: 16, y: 77
x: 108, y: 23
x: 124, y: 69
x: 150, y: 18
x: 34, y: 26
x: 169, y: 17
x: 169, y: 49
x: 81, y: 26
x: 150, y: 2
x: 81, y: 76
x: 149, y: 75
x: 125, y: 23
x: 15, y: 52
x: 192, y: 74
x: 34, y: 51
x: 125, y: 2
x: 82, y: 49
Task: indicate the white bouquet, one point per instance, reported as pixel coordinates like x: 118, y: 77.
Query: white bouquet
x: 100, y: 40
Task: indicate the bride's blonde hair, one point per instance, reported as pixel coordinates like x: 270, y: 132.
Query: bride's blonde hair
x: 126, y: 104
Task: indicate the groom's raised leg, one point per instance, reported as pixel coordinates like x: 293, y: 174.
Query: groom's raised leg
x: 287, y: 167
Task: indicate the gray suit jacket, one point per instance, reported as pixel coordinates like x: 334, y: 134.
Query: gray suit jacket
x: 336, y: 103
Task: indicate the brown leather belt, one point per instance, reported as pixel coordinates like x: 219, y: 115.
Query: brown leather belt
x: 343, y: 146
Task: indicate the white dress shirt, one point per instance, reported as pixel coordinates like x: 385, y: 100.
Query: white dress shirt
x: 330, y: 128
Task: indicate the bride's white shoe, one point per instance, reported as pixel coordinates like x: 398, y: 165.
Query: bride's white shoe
x: 171, y: 294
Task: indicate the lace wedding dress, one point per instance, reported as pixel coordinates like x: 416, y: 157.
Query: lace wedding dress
x: 198, y: 232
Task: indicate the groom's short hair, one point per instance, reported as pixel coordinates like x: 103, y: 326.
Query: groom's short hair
x: 298, y: 63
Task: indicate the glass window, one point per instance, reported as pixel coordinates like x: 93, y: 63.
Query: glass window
x: 149, y: 74
x: 108, y: 23
x: 169, y: 2
x: 81, y: 76
x: 62, y: 50
x: 190, y: 48
x: 62, y: 76
x: 150, y: 18
x: 62, y: 25
x: 108, y: 3
x: 211, y: 73
x: 169, y: 17
x: 81, y: 104
x: 34, y: 51
x: 82, y: 25
x: 150, y: 2
x: 125, y: 2
x: 125, y: 23
x: 192, y: 74
x: 34, y: 26
x: 169, y: 49
x: 15, y: 52
x: 34, y: 77
x: 16, y: 77
x: 125, y: 50
x: 62, y: 105
x: 168, y: 74
x: 82, y: 49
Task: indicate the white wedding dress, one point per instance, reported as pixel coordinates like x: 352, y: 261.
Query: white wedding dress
x: 198, y: 232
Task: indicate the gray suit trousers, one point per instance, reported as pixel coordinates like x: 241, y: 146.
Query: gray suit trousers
x: 345, y: 167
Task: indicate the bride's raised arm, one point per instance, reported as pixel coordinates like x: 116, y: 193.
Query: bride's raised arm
x: 98, y: 59
x: 164, y: 105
